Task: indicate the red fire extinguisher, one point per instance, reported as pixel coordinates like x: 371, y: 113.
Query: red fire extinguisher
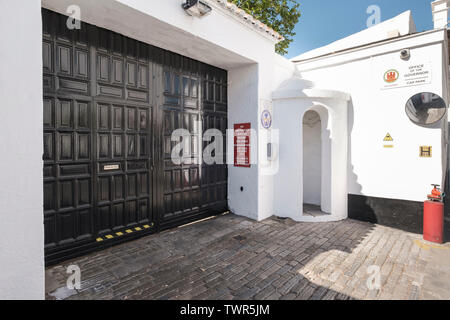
x: 433, y: 216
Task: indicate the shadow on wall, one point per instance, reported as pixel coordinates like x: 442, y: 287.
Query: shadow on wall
x: 399, y: 214
x: 359, y: 207
x: 353, y: 184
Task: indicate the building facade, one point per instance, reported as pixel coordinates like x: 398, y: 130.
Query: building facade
x: 89, y: 112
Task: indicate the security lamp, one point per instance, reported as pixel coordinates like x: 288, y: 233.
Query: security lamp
x: 405, y: 54
x: 196, y: 8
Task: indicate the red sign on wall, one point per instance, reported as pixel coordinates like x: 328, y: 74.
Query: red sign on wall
x: 242, y: 145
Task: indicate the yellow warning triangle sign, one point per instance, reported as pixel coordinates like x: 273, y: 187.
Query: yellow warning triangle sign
x: 388, y: 137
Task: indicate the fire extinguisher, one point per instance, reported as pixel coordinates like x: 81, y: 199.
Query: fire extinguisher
x: 433, y: 216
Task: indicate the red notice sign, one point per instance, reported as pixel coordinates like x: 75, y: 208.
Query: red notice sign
x: 242, y: 145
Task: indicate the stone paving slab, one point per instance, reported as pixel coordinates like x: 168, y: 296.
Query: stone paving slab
x: 231, y: 257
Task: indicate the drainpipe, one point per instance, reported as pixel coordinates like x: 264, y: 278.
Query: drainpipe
x: 440, y: 13
x: 440, y: 9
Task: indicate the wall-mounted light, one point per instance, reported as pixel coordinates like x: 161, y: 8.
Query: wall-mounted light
x: 405, y: 54
x: 196, y: 8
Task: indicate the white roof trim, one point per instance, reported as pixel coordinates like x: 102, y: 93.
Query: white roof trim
x: 245, y: 18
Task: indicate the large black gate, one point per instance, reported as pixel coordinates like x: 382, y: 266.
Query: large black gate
x: 110, y: 106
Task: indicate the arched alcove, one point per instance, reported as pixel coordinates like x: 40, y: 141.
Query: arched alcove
x: 312, y: 160
x: 316, y: 151
x: 312, y: 151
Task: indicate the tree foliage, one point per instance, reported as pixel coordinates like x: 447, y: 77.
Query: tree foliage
x: 280, y: 15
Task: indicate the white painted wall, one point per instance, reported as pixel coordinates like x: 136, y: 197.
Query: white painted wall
x: 312, y: 157
x: 440, y: 13
x: 21, y: 198
x: 277, y: 69
x: 397, y: 173
x: 242, y: 108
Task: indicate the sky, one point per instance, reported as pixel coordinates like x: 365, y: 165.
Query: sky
x: 325, y: 21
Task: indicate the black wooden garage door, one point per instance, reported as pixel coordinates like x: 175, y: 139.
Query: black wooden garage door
x: 110, y: 106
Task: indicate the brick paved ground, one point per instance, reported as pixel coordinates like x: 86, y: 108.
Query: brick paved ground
x: 231, y: 257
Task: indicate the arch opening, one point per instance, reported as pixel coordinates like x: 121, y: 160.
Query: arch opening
x: 314, y: 140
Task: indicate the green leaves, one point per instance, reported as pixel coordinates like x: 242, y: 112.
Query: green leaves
x: 280, y: 15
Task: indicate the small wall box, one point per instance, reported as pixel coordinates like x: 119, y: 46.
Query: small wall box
x: 425, y: 151
x: 269, y: 151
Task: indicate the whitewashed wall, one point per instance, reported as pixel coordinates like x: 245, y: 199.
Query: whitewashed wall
x: 242, y: 108
x: 21, y: 199
x: 397, y: 173
x: 277, y: 70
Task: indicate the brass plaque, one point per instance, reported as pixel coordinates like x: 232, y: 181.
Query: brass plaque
x: 111, y: 167
x: 425, y: 152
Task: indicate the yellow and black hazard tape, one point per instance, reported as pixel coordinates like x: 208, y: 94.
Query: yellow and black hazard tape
x: 127, y: 231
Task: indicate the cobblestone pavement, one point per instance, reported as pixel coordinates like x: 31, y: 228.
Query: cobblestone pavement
x: 231, y: 257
